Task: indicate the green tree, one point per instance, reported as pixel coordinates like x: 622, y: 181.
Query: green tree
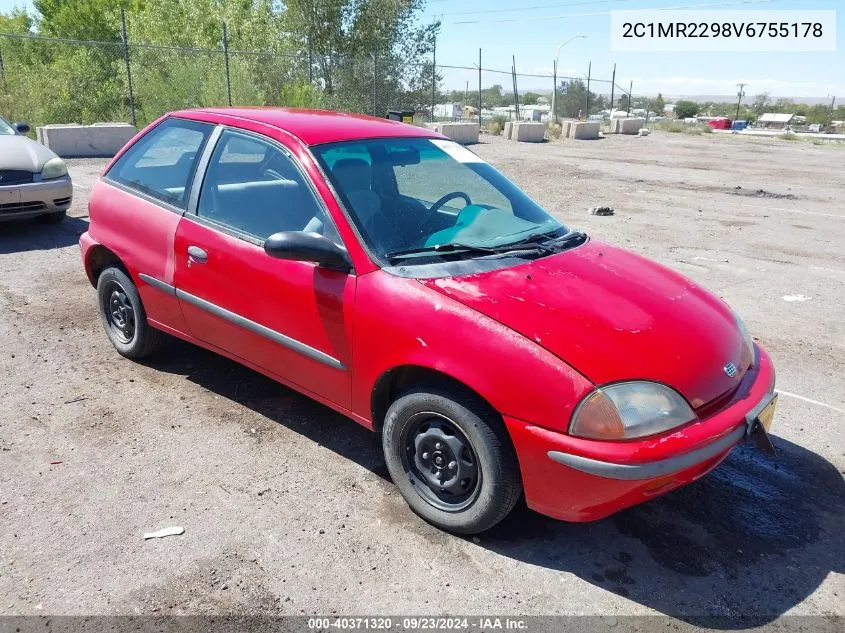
x: 658, y: 105
x: 572, y: 99
x: 686, y: 109
x: 760, y: 102
x: 529, y: 98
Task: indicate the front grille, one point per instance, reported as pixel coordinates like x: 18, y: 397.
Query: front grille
x: 16, y: 207
x: 60, y: 202
x: 15, y: 177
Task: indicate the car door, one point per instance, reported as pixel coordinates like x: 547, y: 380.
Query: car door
x: 137, y: 206
x: 291, y: 319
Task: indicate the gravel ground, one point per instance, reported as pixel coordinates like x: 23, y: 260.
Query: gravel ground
x: 286, y: 505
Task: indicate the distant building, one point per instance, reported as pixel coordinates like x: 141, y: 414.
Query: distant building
x: 448, y: 110
x: 526, y: 112
x: 775, y: 121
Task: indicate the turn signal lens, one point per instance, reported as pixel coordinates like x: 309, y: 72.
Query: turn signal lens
x: 598, y: 418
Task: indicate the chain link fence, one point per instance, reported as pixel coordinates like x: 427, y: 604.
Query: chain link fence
x: 52, y: 80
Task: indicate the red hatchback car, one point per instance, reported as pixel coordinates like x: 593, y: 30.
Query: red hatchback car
x: 396, y: 277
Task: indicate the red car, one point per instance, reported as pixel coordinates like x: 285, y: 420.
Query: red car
x: 396, y: 277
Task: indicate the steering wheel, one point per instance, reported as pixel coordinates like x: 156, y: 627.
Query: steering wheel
x: 449, y: 196
x: 430, y: 216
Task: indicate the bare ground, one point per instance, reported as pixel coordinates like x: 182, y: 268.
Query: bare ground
x: 286, y: 505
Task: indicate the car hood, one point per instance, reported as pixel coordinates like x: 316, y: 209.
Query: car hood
x: 613, y: 315
x: 20, y: 152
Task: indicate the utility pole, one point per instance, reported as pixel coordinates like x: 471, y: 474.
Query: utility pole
x: 375, y: 80
x: 433, y: 72
x: 554, y: 92
x: 515, y: 90
x: 479, y: 88
x: 125, y: 38
x: 557, y: 55
x: 612, y: 90
x: 830, y: 114
x: 587, y: 97
x: 310, y: 62
x: 630, y: 92
x: 739, y: 95
x: 226, y: 64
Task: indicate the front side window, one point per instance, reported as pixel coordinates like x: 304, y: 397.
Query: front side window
x: 161, y: 164
x: 253, y: 187
x: 430, y: 195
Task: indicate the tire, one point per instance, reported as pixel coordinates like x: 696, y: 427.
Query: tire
x: 416, y: 424
x: 123, y: 316
x: 51, y: 218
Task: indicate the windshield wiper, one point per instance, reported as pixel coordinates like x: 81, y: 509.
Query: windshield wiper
x: 448, y: 247
x: 539, y: 242
x: 544, y: 240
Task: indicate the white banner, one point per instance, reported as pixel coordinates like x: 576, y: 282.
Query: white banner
x: 723, y: 31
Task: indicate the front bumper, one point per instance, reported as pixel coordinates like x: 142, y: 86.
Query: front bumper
x: 36, y: 198
x: 576, y: 479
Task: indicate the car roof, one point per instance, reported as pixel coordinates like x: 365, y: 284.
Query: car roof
x: 314, y: 127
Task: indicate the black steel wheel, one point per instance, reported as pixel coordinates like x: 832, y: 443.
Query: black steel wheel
x: 441, y: 461
x: 450, y: 456
x: 120, y: 314
x: 123, y: 316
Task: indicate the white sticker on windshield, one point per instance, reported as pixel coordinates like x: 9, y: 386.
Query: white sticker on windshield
x: 456, y: 151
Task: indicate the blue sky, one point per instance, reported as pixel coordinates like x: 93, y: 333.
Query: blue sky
x: 535, y: 41
x: 533, y: 34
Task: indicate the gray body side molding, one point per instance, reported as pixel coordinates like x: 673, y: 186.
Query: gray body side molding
x: 252, y: 326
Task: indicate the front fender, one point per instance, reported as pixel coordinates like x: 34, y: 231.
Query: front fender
x: 399, y: 321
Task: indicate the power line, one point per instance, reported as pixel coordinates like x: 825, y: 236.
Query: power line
x: 532, y: 8
x: 595, y: 13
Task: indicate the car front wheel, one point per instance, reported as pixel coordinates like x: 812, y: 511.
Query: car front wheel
x: 123, y: 315
x: 451, y: 458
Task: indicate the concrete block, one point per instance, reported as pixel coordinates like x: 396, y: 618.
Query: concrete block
x: 584, y: 130
x: 71, y: 140
x: 464, y: 133
x: 529, y: 132
x: 508, y: 131
x: 564, y: 128
x: 630, y: 126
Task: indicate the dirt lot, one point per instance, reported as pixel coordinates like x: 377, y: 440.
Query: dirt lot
x: 286, y: 505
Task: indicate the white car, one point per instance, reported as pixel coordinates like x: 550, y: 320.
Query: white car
x: 34, y: 182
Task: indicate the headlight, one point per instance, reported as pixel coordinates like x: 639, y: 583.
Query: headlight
x: 746, y: 358
x: 628, y: 410
x: 53, y: 168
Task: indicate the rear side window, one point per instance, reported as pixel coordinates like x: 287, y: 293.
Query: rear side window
x: 161, y: 164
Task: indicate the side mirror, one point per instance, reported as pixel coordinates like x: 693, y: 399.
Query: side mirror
x: 22, y: 128
x: 307, y: 247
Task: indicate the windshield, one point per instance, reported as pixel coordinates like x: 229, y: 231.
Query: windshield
x: 5, y: 128
x: 417, y: 194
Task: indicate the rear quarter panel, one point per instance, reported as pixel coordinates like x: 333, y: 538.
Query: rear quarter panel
x: 141, y: 233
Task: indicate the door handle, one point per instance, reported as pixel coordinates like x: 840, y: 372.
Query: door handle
x: 196, y: 255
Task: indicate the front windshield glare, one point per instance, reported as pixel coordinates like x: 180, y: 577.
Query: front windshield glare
x: 5, y: 128
x: 415, y: 193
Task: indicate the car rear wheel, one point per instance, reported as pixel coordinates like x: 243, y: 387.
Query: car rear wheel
x: 451, y: 458
x: 123, y: 315
x: 51, y: 218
